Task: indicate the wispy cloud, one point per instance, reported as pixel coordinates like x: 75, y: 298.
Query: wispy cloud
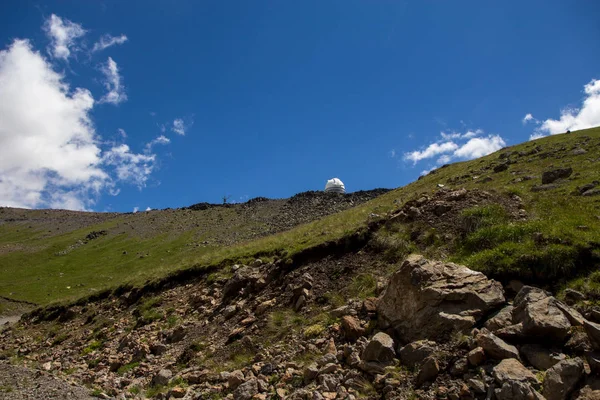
x: 113, y: 83
x: 62, y: 34
x: 179, y: 126
x: 107, y: 41
x: 162, y: 139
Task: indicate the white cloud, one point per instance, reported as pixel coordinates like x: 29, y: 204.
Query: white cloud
x: 116, y: 90
x: 122, y: 133
x: 529, y: 118
x: 588, y: 116
x: 136, y: 209
x: 479, y: 147
x: 457, y: 145
x: 179, y: 126
x: 50, y: 155
x: 107, y: 41
x: 393, y: 153
x: 431, y: 151
x: 62, y: 34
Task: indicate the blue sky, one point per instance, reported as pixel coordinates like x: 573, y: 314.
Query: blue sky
x: 112, y: 105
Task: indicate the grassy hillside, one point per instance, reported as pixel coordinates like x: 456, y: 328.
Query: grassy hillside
x: 558, y: 240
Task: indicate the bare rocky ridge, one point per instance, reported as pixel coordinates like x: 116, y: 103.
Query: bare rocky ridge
x: 225, y: 223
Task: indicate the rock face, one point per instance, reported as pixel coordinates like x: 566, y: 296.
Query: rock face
x: 562, y: 378
x: 430, y: 300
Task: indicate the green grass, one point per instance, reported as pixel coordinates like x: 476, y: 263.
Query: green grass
x: 492, y: 243
x: 127, y: 367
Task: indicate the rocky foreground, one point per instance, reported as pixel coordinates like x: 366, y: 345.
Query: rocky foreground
x: 437, y: 330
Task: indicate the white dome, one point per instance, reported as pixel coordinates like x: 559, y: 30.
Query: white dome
x: 335, y: 185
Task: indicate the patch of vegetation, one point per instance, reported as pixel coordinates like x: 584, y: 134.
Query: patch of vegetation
x: 134, y: 389
x: 6, y: 389
x: 282, y: 322
x: 393, y: 244
x: 90, y: 348
x: 363, y: 285
x: 314, y: 330
x: 123, y: 369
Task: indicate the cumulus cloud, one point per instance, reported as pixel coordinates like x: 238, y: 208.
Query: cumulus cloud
x: 479, y: 147
x: 457, y: 146
x: 50, y: 155
x: 587, y: 116
x: 107, y: 41
x: 63, y: 35
x: 179, y: 126
x: 431, y: 151
x: 112, y: 83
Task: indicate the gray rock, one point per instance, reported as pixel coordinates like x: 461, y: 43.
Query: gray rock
x: 310, y: 373
x: 476, y: 356
x: 379, y: 349
x: 500, y: 320
x: 496, y: 347
x: 573, y: 296
x: 429, y: 371
x: 162, y: 378
x: 591, y: 192
x: 415, y: 353
x: 555, y: 174
x: 510, y: 370
x: 235, y: 379
x: 431, y: 300
x: 540, y: 315
x: 477, y: 385
x: 515, y: 390
x: 562, y: 378
x: 540, y: 357
x: 593, y: 331
x: 246, y: 390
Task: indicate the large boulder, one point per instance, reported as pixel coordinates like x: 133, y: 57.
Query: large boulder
x: 555, y: 174
x: 430, y: 300
x: 562, y: 378
x: 540, y: 315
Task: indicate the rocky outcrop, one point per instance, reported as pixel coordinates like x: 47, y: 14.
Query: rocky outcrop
x: 430, y: 300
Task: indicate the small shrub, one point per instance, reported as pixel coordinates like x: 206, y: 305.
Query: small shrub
x: 127, y: 367
x: 314, y: 330
x: 93, y: 346
x: 478, y: 217
x: 363, y: 286
x: 393, y: 245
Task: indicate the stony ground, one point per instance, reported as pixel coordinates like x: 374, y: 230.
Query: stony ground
x: 20, y: 383
x: 345, y: 323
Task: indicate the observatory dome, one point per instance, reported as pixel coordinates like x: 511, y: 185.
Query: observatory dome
x: 335, y: 185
